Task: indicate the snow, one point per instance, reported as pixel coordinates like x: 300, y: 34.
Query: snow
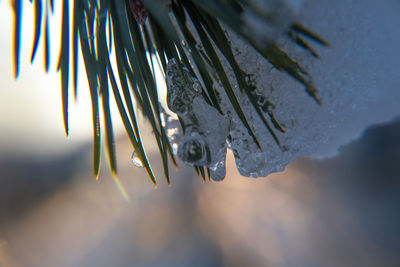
x: 357, y: 77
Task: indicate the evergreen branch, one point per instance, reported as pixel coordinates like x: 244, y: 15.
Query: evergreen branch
x: 99, y: 25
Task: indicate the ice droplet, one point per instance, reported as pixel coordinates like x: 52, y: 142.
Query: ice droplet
x: 194, y: 150
x: 136, y: 160
x: 197, y: 87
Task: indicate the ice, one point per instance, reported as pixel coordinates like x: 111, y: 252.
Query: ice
x: 357, y: 77
x: 250, y: 160
x: 172, y: 129
x: 218, y: 171
x: 206, y: 130
x: 182, y: 88
x: 136, y: 160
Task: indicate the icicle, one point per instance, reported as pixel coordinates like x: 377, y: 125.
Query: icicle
x: 218, y: 171
x: 206, y: 129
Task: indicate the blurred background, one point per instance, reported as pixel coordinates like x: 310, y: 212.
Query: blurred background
x: 343, y: 211
x: 339, y: 212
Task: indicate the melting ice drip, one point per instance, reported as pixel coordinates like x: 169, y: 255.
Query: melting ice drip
x: 250, y: 161
x: 207, y: 130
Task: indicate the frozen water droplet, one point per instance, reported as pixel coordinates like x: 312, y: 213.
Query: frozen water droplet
x: 136, y: 160
x: 197, y: 86
x: 179, y: 105
x: 194, y: 150
x: 198, y: 46
x: 186, y: 46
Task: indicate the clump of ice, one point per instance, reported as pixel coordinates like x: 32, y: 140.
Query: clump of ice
x: 208, y: 132
x: 204, y: 141
x: 357, y: 77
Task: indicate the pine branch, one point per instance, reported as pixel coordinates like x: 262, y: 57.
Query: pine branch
x: 136, y: 27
